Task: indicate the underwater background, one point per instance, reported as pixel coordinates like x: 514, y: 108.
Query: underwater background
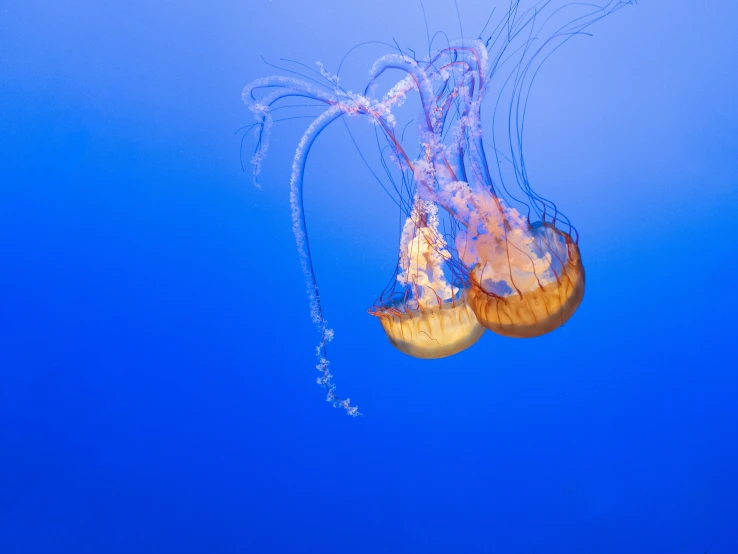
x: 157, y: 369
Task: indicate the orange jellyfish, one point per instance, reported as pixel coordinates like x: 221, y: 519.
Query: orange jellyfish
x: 526, y: 279
x: 431, y: 318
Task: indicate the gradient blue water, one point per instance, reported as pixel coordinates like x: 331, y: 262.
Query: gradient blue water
x: 156, y: 356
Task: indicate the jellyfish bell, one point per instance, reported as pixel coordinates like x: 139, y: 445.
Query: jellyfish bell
x: 432, y: 332
x: 525, y: 279
x: 537, y: 310
x: 431, y: 318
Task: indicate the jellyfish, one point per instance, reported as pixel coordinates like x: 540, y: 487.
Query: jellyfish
x: 431, y: 317
x: 505, y: 259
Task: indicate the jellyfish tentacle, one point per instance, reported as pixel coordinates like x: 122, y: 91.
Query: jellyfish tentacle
x: 285, y: 87
x: 299, y: 228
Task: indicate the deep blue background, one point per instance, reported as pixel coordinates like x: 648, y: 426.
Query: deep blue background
x: 156, y: 356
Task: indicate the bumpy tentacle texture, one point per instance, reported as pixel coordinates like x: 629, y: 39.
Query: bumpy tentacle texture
x: 286, y: 87
x: 423, y: 253
x: 303, y: 248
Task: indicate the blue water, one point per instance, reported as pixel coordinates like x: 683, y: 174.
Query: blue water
x: 157, y: 381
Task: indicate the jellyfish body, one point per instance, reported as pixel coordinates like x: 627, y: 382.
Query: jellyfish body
x: 525, y: 279
x: 432, y: 319
x: 434, y: 332
x: 543, y: 295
